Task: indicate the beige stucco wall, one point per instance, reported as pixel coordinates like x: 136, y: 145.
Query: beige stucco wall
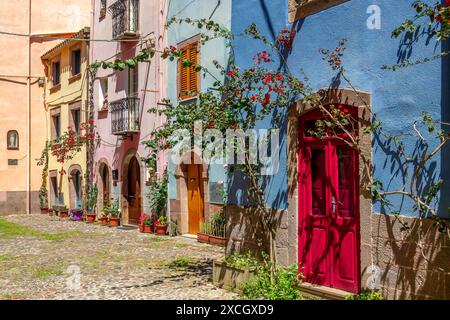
x: 72, y: 89
x: 20, y: 184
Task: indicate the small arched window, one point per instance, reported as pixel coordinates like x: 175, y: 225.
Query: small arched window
x: 12, y: 140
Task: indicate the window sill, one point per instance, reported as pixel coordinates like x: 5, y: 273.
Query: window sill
x: 187, y: 99
x: 75, y: 78
x: 55, y: 88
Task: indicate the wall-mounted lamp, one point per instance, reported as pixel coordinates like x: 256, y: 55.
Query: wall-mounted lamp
x: 41, y: 81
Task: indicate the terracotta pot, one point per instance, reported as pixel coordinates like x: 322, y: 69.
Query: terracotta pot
x: 104, y: 220
x: 141, y: 228
x: 203, y: 237
x: 63, y: 214
x: 114, y: 222
x: 217, y: 240
x: 149, y: 229
x: 90, y: 217
x: 44, y: 210
x: 161, y: 229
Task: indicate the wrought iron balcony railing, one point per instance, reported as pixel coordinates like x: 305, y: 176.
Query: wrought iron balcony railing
x: 125, y: 19
x: 125, y: 116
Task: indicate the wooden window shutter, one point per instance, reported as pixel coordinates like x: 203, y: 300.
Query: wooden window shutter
x: 188, y: 78
x: 192, y: 74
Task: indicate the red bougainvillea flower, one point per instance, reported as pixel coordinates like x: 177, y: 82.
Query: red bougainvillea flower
x: 267, y: 98
x: 438, y: 18
x: 447, y: 3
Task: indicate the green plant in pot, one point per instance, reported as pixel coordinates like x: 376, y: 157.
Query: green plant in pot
x: 114, y: 214
x: 63, y: 212
x: 104, y: 216
x: 161, y: 225
x: 91, y: 203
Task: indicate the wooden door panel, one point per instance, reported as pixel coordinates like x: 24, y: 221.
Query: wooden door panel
x: 195, y: 199
x: 328, y: 212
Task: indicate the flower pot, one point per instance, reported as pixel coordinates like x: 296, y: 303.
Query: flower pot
x: 217, y: 240
x: 63, y: 214
x: 141, y: 228
x: 103, y: 220
x: 203, y: 237
x: 77, y: 215
x: 149, y: 229
x: 44, y: 210
x: 161, y: 229
x: 114, y: 222
x: 90, y: 217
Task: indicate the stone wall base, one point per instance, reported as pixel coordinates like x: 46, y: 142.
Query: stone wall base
x: 15, y: 202
x: 391, y: 260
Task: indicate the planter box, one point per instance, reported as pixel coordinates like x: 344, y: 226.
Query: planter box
x: 228, y: 277
x: 219, y: 241
x: 44, y: 210
x: 213, y: 240
x: 203, y: 237
x: 161, y: 229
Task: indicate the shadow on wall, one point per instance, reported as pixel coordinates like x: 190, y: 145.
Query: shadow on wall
x: 410, y: 270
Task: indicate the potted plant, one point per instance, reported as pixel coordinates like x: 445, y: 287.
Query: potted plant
x: 43, y: 200
x: 77, y: 214
x: 149, y: 223
x: 63, y: 212
x: 114, y: 214
x: 91, y: 203
x: 105, y: 214
x: 161, y: 225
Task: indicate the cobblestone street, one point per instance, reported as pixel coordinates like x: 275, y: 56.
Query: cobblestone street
x: 44, y: 259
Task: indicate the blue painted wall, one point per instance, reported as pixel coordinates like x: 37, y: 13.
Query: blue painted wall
x: 219, y: 11
x: 398, y: 97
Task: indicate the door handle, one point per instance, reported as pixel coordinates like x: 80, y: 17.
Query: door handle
x: 334, y: 203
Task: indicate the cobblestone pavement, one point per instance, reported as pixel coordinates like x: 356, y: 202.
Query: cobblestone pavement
x: 111, y: 263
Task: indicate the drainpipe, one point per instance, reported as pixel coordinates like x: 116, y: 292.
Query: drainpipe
x: 28, y: 196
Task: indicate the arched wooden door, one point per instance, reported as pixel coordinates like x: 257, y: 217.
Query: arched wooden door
x: 328, y: 211
x: 195, y: 198
x: 134, y: 191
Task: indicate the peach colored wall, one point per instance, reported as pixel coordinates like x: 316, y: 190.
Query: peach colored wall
x: 20, y: 184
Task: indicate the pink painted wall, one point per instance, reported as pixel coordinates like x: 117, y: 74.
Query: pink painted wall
x: 112, y: 149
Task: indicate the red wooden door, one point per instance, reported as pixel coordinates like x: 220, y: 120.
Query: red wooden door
x: 328, y: 210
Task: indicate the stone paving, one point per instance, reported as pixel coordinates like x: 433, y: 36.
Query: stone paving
x: 87, y: 261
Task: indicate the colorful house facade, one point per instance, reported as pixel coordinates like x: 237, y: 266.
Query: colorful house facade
x: 121, y: 100
x: 195, y: 188
x: 29, y: 31
x: 344, y: 240
x: 66, y: 104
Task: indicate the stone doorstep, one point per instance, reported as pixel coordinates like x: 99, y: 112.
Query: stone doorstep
x: 189, y: 236
x: 323, y: 292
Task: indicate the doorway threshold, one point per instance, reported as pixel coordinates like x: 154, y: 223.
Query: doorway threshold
x: 189, y: 235
x: 323, y: 292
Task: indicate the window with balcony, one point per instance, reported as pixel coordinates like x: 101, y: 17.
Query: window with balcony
x: 188, y: 78
x: 125, y: 19
x: 125, y: 113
